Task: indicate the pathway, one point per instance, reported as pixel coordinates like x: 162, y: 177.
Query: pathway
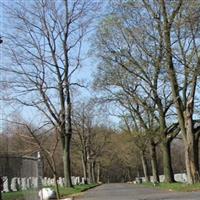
x: 135, y: 192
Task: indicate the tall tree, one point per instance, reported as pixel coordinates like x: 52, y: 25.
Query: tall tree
x: 186, y: 58
x: 132, y: 61
x: 91, y: 138
x: 43, y: 51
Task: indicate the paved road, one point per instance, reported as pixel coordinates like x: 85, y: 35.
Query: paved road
x: 134, y: 192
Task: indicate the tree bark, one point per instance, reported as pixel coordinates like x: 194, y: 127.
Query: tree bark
x: 57, y: 187
x: 93, y: 164
x: 196, y: 151
x: 67, y: 161
x: 84, y: 165
x: 89, y: 172
x: 167, y: 163
x: 144, y: 166
x: 98, y: 172
x: 190, y: 157
x: 154, y: 164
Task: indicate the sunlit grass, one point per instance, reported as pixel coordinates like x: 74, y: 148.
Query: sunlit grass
x: 180, y: 187
x: 12, y: 195
x: 64, y: 192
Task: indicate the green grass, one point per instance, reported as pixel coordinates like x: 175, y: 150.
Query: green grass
x: 179, y: 187
x: 64, y: 192
x: 12, y: 195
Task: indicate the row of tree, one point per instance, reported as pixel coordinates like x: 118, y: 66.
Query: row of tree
x: 150, y: 65
x: 114, y: 157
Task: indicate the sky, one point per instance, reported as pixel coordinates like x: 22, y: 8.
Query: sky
x: 85, y: 74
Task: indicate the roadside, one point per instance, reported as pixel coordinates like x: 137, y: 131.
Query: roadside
x: 178, y: 187
x: 76, y: 191
x: 135, y: 192
x: 64, y: 192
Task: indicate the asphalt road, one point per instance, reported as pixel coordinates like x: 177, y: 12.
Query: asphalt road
x: 135, y: 192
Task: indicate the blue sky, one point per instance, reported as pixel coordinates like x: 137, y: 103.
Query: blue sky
x: 85, y: 74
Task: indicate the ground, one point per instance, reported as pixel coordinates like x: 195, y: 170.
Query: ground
x: 33, y: 195
x: 135, y: 192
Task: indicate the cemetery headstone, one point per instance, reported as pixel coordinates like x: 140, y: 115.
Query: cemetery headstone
x: 46, y: 194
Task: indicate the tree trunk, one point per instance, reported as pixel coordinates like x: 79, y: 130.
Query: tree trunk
x: 196, y: 151
x: 57, y: 187
x: 98, y: 172
x: 89, y: 168
x: 191, y: 160
x: 167, y: 163
x: 93, y: 164
x: 144, y: 166
x: 154, y: 164
x: 84, y: 165
x: 67, y: 161
x: 190, y: 157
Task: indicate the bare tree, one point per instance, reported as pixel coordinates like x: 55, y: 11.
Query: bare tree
x: 91, y: 138
x: 136, y: 42
x: 32, y: 140
x: 43, y: 50
x: 185, y: 58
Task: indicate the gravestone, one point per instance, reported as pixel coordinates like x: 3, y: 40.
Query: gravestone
x: 83, y: 180
x: 73, y: 180
x: 24, y: 183
x: 44, y: 181
x: 5, y: 184
x: 161, y: 178
x: 60, y: 182
x: 78, y: 180
x: 151, y: 179
x: 14, y: 184
x: 46, y: 194
x: 49, y: 182
x: 138, y: 180
x: 181, y: 177
x: 143, y: 179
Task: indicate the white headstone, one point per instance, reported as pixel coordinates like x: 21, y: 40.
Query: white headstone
x: 44, y: 181
x: 60, y: 181
x: 24, y: 184
x: 28, y: 183
x: 46, y: 193
x: 48, y: 181
x: 162, y: 178
x: 5, y: 184
x: 82, y: 180
x: 14, y: 183
x: 78, y: 180
x: 73, y: 180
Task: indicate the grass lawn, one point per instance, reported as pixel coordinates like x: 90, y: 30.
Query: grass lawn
x: 180, y: 187
x: 20, y: 195
x: 12, y: 195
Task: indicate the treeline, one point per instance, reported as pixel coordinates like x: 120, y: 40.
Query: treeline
x: 112, y: 157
